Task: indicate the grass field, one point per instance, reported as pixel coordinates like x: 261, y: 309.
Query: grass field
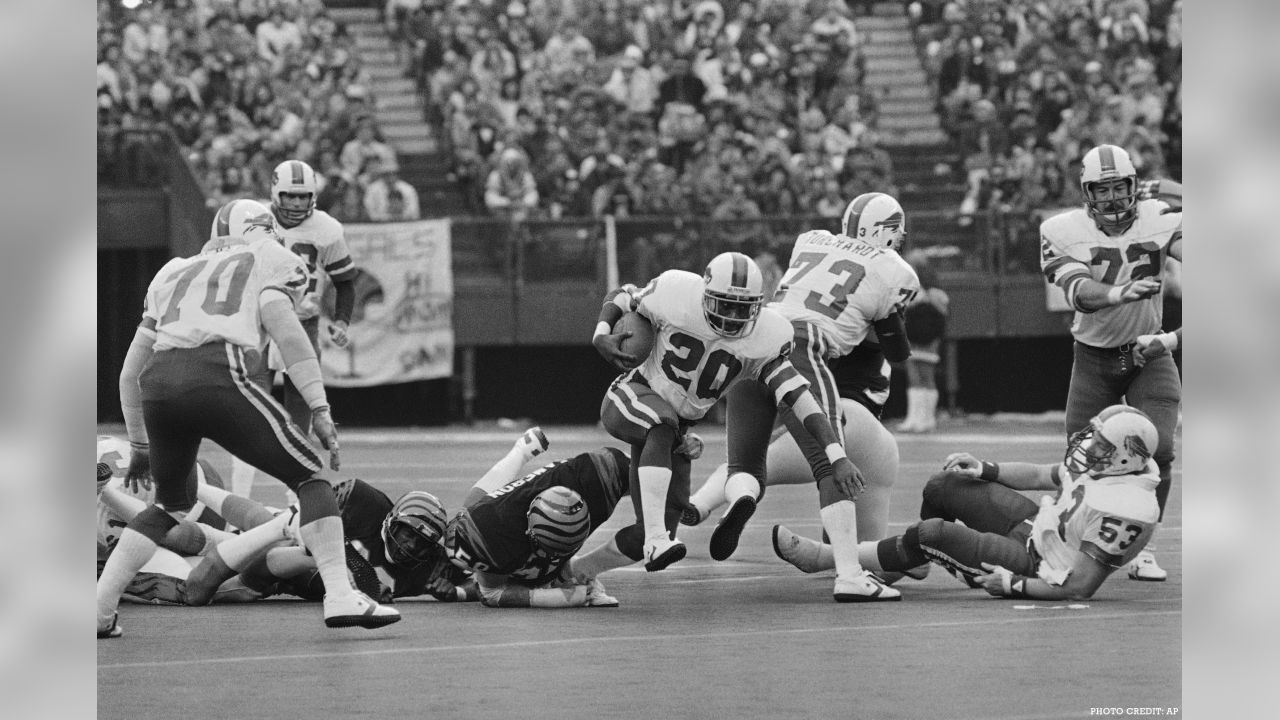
x: 749, y: 637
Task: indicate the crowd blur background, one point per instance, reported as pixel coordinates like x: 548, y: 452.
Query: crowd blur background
x: 728, y: 109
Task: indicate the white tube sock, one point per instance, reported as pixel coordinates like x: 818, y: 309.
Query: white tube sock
x: 712, y: 493
x: 654, y: 483
x: 840, y: 519
x: 324, y: 538
x: 242, y: 474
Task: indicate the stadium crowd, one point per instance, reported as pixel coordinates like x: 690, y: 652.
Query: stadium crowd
x: 244, y: 85
x: 1026, y: 87
x: 726, y: 109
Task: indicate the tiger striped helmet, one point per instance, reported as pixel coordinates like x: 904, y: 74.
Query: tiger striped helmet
x: 413, y: 530
x: 559, y: 522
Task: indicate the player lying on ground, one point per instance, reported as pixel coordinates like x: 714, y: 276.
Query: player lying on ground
x: 275, y: 560
x: 713, y: 333
x: 1101, y: 515
x: 517, y: 534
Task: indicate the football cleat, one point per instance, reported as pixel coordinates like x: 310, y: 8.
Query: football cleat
x: 111, y: 629
x: 724, y: 539
x: 692, y: 515
x: 1144, y: 567
x: 357, y: 609
x: 799, y: 551
x: 533, y: 443
x: 864, y: 588
x: 597, y: 597
x: 661, y: 553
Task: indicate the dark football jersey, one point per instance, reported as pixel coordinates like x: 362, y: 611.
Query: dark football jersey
x: 363, y: 507
x: 863, y: 376
x: 491, y: 535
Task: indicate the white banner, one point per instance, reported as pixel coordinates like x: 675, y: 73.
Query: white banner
x: 402, y: 326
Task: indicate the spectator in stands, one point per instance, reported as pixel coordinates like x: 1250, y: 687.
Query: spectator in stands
x: 631, y: 85
x: 361, y: 152
x: 277, y: 37
x: 568, y: 50
x: 732, y: 211
x: 493, y: 64
x: 511, y: 190
x: 378, y: 196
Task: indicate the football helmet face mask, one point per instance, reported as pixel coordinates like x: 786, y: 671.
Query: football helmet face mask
x: 1109, y: 183
x: 293, y: 192
x: 559, y: 522
x: 243, y: 218
x: 413, y: 530
x: 876, y: 219
x: 1118, y: 441
x: 732, y: 295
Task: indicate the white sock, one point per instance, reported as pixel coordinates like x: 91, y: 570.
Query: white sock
x: 242, y: 549
x: 602, y: 559
x: 132, y: 552
x: 741, y: 484
x: 913, y: 408
x: 241, y: 477
x: 212, y: 496
x: 126, y: 506
x: 654, y: 483
x: 323, y: 537
x: 840, y: 519
x: 712, y: 493
x: 213, y: 537
x: 929, y: 407
x: 868, y: 555
x: 505, y: 470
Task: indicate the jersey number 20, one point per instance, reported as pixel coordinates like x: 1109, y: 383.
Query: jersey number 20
x: 680, y: 364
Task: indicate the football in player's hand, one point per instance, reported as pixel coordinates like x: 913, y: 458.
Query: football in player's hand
x: 640, y: 343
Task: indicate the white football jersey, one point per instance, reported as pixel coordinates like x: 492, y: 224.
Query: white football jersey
x: 691, y: 365
x: 1108, y: 518
x: 114, y: 452
x: 320, y: 242
x: 1071, y: 244
x: 842, y: 285
x: 213, y: 296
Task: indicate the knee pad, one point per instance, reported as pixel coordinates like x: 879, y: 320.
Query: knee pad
x: 154, y: 523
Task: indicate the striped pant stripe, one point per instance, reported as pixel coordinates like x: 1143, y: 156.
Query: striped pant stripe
x: 284, y: 430
x: 823, y: 383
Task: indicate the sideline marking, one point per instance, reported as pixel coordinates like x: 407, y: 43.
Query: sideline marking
x: 679, y: 637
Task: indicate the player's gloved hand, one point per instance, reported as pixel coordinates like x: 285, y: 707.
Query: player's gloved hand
x: 1151, y: 347
x: 610, y: 348
x: 322, y: 424
x: 962, y: 463
x: 138, y: 476
x: 338, y: 333
x: 848, y: 477
x: 1000, y: 582
x: 690, y: 445
x: 1139, y: 290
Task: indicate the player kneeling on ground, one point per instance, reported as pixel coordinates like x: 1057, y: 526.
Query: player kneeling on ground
x: 1102, y: 515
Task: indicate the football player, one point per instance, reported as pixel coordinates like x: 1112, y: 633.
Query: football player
x: 1109, y: 258
x: 839, y: 290
x: 318, y: 239
x: 712, y: 333
x: 1100, y: 516
x: 186, y: 378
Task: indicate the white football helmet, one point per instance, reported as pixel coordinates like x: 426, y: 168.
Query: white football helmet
x: 876, y: 219
x: 295, y: 178
x: 243, y: 218
x: 1107, y: 163
x: 1118, y: 441
x: 733, y: 293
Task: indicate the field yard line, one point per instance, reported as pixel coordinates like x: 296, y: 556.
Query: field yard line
x: 353, y: 436
x: 668, y: 638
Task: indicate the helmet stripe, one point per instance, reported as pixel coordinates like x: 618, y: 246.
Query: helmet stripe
x: 739, y: 270
x: 1106, y: 159
x: 854, y: 211
x: 295, y: 169
x: 224, y: 220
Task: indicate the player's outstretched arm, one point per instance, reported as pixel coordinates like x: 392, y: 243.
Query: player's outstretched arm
x: 1085, y: 579
x: 139, y: 472
x: 281, y: 323
x: 1014, y: 475
x: 496, y: 591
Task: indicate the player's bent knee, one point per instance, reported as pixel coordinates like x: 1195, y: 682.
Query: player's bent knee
x: 630, y: 541
x: 316, y: 500
x: 154, y: 523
